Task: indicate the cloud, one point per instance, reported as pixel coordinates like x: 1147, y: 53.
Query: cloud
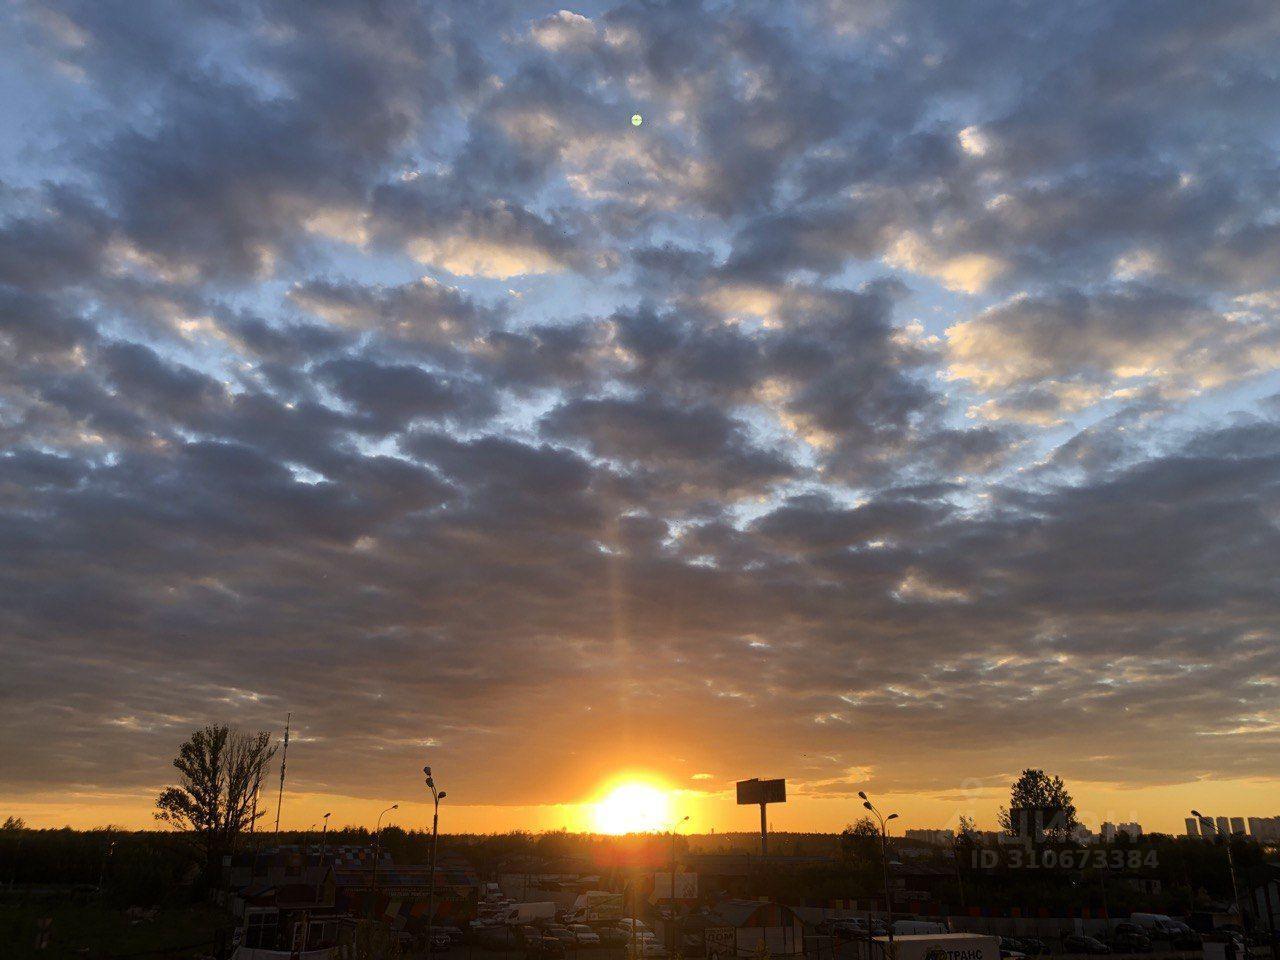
x: 906, y: 371
x: 1066, y: 352
x: 679, y: 445
x: 423, y: 311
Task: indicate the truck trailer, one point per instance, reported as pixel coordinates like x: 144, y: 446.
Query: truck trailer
x: 938, y: 946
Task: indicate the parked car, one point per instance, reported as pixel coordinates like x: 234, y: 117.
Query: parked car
x: 1125, y: 927
x: 650, y: 947
x: 1127, y: 942
x: 584, y: 935
x: 1157, y: 926
x: 905, y: 928
x: 1034, y: 946
x: 1089, y: 945
x: 625, y: 924
x: 563, y: 934
x: 846, y: 928
x: 544, y: 948
x: 613, y: 936
x: 1011, y: 949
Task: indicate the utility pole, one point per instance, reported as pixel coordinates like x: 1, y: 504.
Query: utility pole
x: 284, y: 756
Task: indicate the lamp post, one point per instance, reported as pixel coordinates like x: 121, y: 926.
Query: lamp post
x: 884, y: 859
x: 671, y: 951
x: 377, y: 844
x: 1231, y: 862
x: 436, y: 797
x: 634, y: 955
x: 324, y: 837
x: 107, y: 854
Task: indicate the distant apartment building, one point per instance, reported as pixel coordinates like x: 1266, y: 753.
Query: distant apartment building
x: 989, y: 837
x: 1261, y: 829
x: 1082, y: 834
x: 1265, y: 829
x: 942, y: 838
x: 1111, y: 830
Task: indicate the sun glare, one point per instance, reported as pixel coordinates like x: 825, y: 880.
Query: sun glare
x: 632, y: 807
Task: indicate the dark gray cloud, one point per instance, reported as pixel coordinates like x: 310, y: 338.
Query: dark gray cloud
x: 393, y: 396
x: 904, y: 372
x: 696, y: 448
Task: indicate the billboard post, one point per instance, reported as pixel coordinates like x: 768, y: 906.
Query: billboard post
x: 763, y: 792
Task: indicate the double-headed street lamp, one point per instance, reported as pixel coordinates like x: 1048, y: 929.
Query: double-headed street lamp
x: 377, y: 846
x: 884, y: 859
x: 1231, y: 861
x: 436, y: 797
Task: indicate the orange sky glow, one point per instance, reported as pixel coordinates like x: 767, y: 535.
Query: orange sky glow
x: 1159, y: 808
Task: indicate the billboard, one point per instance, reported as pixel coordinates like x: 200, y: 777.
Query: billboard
x: 762, y: 791
x: 686, y: 886
x: 722, y: 943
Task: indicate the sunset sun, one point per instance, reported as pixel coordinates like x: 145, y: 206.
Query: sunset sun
x: 632, y: 807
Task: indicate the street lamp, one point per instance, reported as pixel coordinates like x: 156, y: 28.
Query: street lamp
x: 436, y: 797
x: 324, y: 836
x: 884, y: 859
x: 377, y: 844
x: 1231, y: 861
x: 674, y: 940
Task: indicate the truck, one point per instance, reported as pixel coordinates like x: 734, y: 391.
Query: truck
x: 596, y: 905
x: 522, y: 913
x: 940, y: 946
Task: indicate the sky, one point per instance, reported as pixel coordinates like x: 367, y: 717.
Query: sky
x: 893, y: 408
